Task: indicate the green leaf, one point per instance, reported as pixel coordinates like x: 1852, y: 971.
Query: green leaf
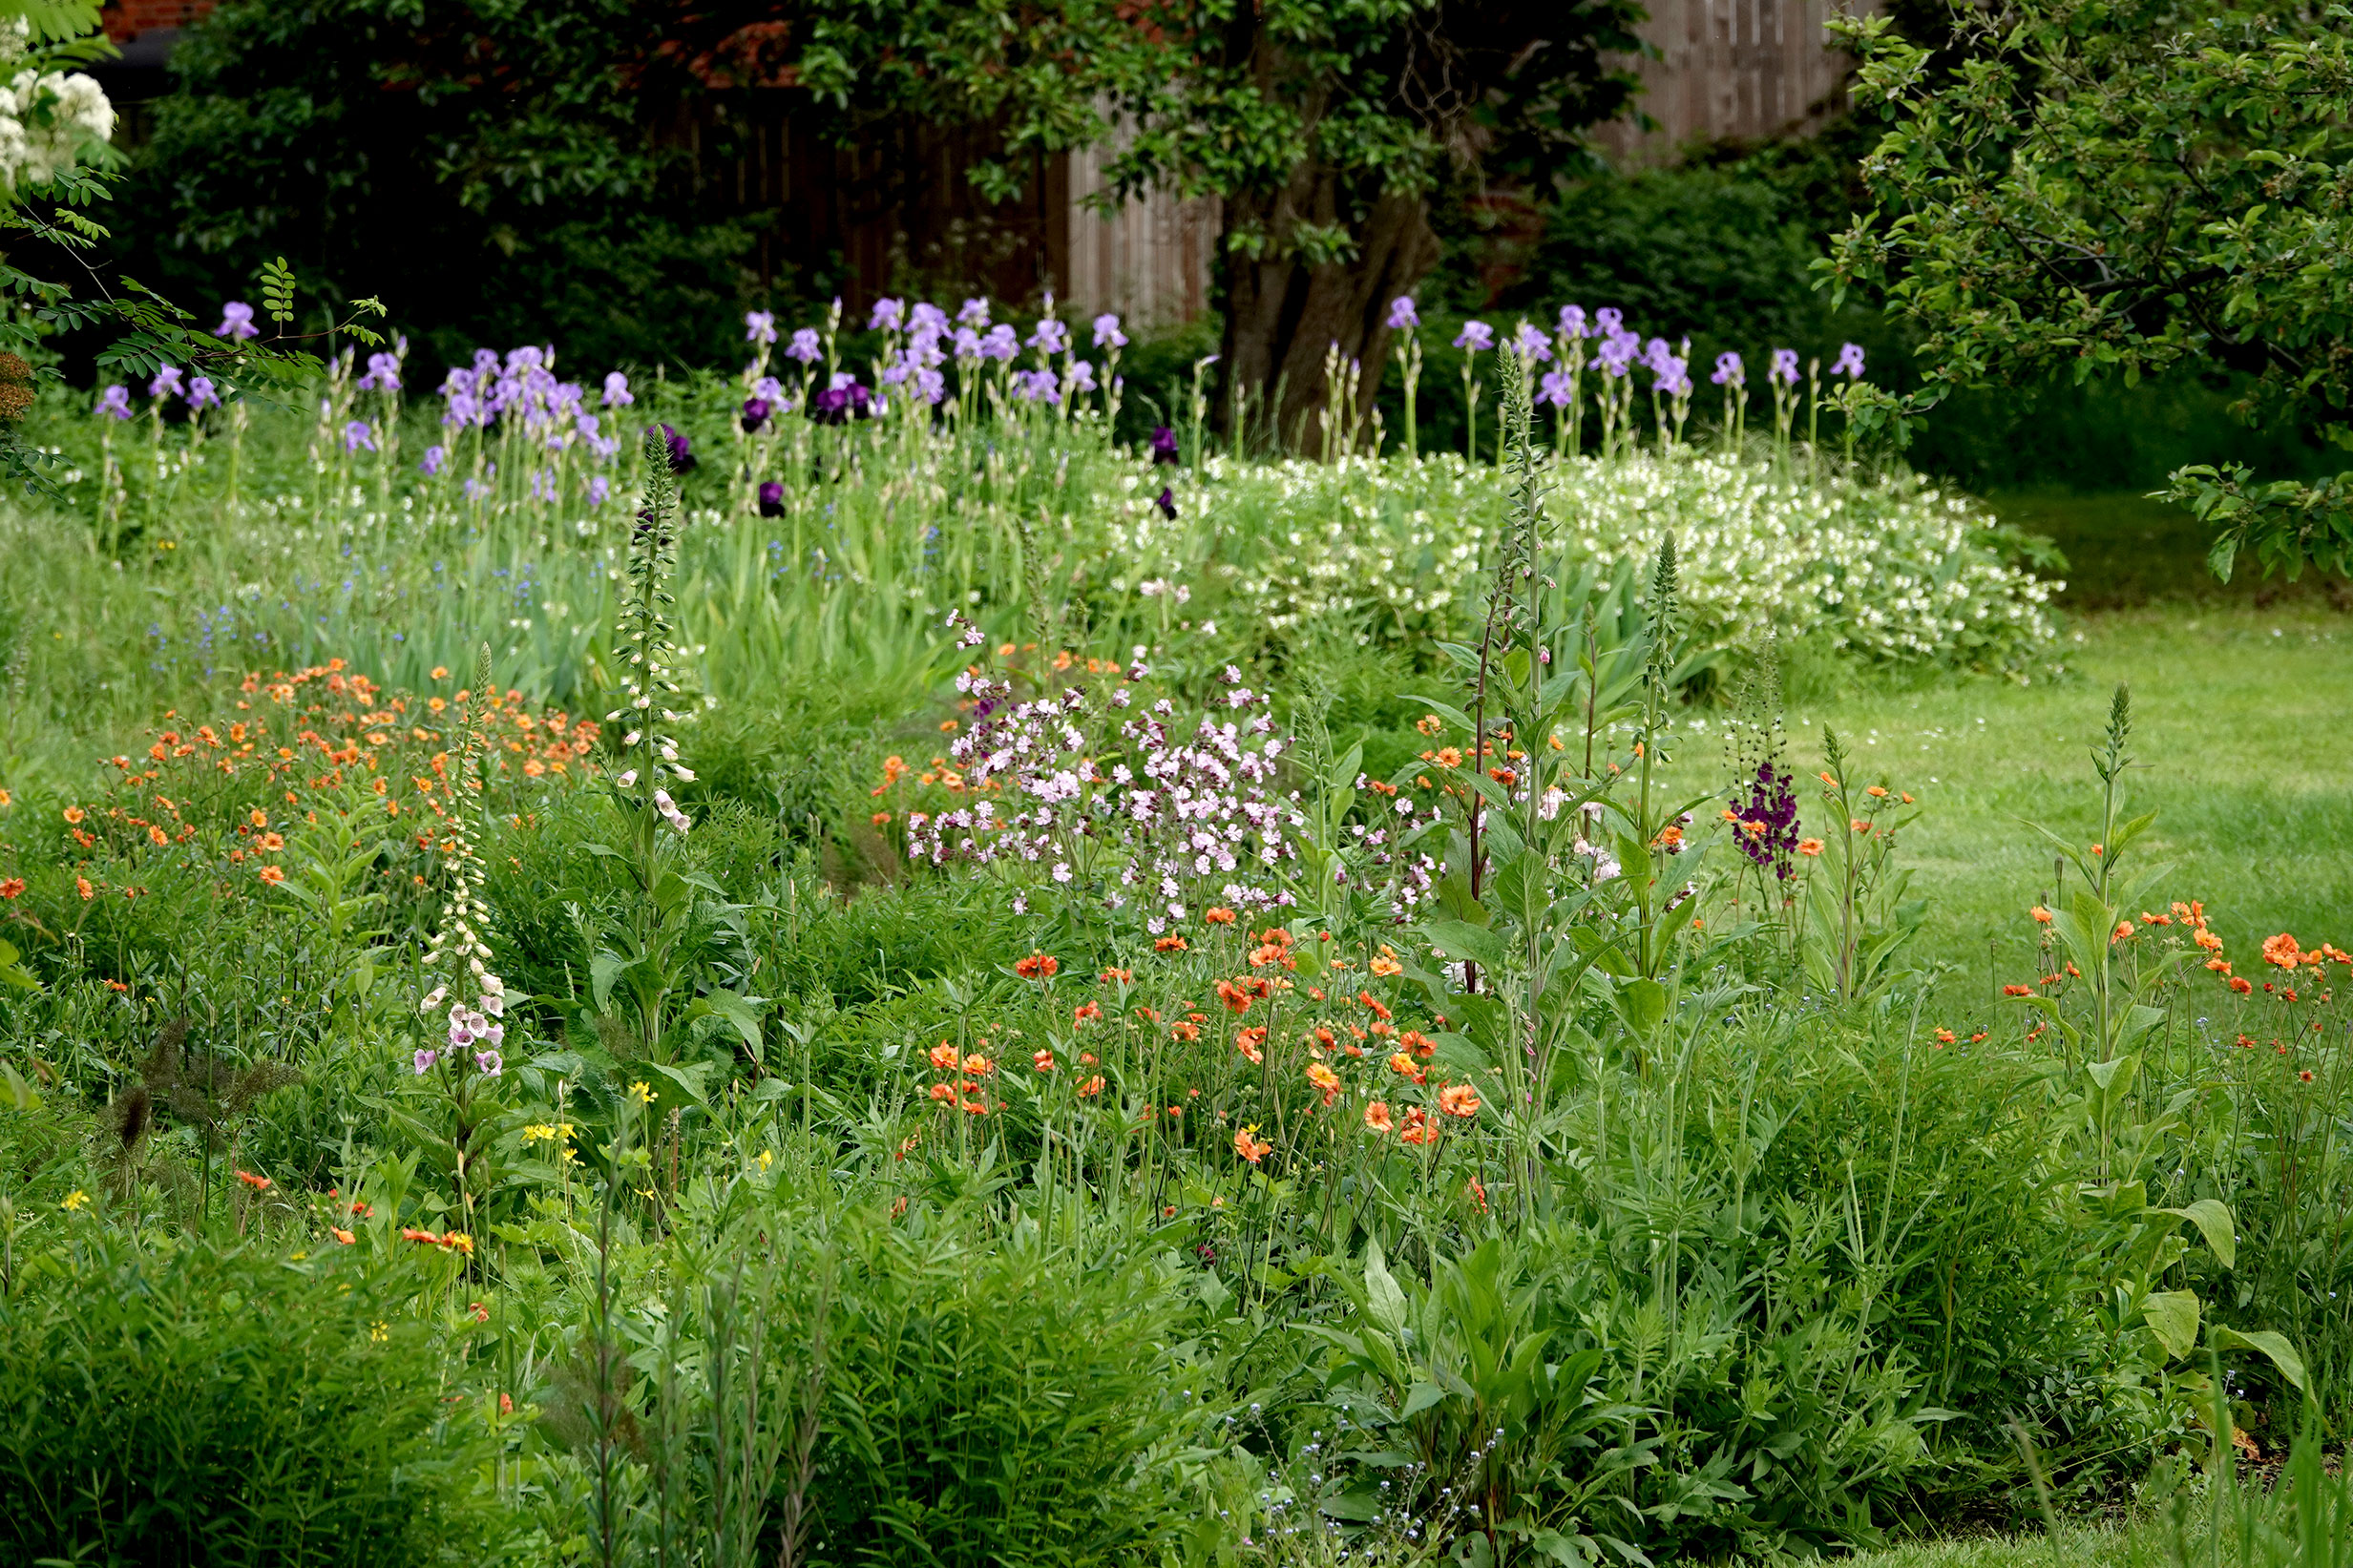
x: 2172, y: 1317
x: 2212, y: 1219
x: 1384, y: 1300
x: 1642, y: 1004
x: 2268, y: 1342
x: 603, y: 970
x: 1459, y: 939
x: 1421, y: 1397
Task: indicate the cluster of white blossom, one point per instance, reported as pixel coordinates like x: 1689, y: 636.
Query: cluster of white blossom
x: 48, y: 118
x: 1887, y: 567
x: 1194, y: 822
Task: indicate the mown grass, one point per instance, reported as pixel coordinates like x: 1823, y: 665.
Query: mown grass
x: 2240, y: 739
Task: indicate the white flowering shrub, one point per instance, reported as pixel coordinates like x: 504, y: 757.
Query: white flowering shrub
x: 1886, y: 567
x: 1119, y: 804
x: 49, y: 121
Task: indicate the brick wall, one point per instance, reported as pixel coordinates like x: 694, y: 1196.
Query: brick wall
x: 126, y: 19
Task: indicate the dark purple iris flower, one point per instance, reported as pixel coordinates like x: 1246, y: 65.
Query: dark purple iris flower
x: 1164, y: 445
x: 771, y: 499
x: 840, y: 404
x: 682, y: 458
x: 1166, y: 500
x: 756, y: 412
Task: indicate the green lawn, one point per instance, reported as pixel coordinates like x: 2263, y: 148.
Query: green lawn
x: 2244, y: 747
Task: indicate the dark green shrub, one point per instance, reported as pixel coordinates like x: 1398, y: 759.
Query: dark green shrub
x: 1011, y: 1405
x: 232, y: 1407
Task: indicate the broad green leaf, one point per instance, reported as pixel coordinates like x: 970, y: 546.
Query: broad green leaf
x: 1642, y: 1004
x: 603, y: 970
x: 1459, y: 939
x: 2172, y: 1317
x: 1383, y: 1300
x: 2264, y: 1341
x: 2212, y: 1219
x: 1421, y: 1397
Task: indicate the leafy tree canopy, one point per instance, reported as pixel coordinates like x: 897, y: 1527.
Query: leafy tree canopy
x: 2122, y: 188
x: 1324, y: 127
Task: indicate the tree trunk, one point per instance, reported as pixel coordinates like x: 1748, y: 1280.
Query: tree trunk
x: 1283, y: 316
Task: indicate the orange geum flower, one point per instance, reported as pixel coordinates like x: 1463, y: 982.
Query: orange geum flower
x: 2017, y: 990
x: 1038, y: 966
x: 1946, y: 1036
x: 2042, y: 915
x: 1809, y: 847
x: 1252, y: 1043
x: 1084, y: 1011
x: 1235, y: 998
x: 341, y: 1235
x: 273, y: 875
x: 945, y: 1056
x: 1117, y: 976
x: 258, y: 1184
x: 1377, y: 1117
x: 1404, y: 1065
x: 1091, y: 1087
x: 1379, y: 1011
x: 1324, y: 1079
x: 1877, y: 792
x: 1458, y: 1100
x: 75, y: 813
x: 1448, y: 757
x: 2280, y: 950
x: 979, y: 1067
x: 943, y: 1091
x: 1170, y: 944
x: 1186, y: 1032
x: 1250, y: 1148
x: 2123, y: 929
x: 1042, y: 1060
x: 1859, y: 826
x: 1417, y: 1128
x: 1218, y: 916
x: 2221, y: 966
x: 2242, y: 985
